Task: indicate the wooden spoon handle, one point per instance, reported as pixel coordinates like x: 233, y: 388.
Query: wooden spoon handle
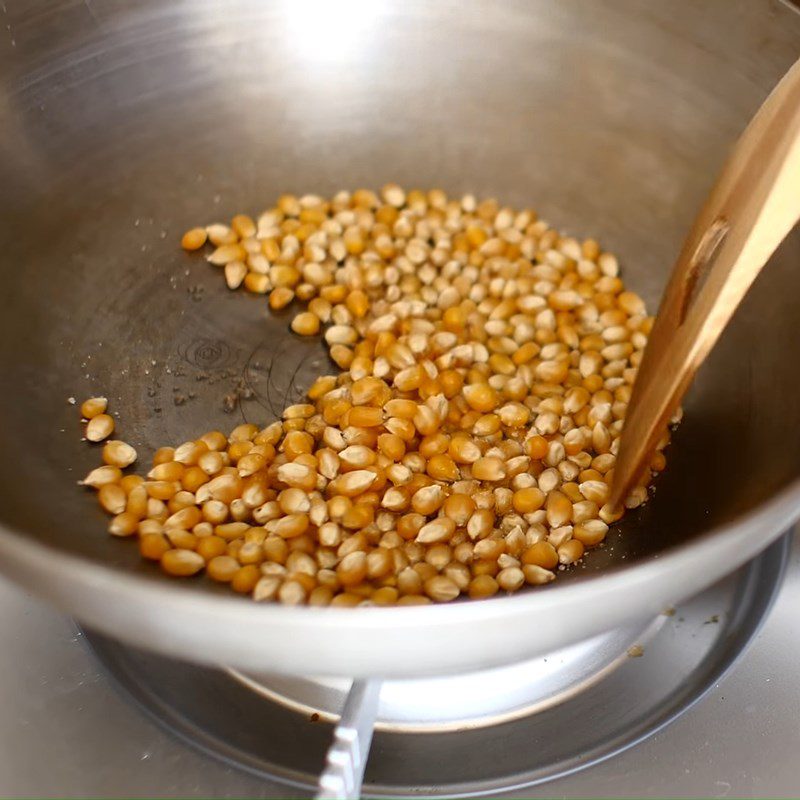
x: 751, y: 209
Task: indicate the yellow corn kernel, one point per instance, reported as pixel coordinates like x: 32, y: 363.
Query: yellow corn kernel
x: 182, y: 563
x: 459, y: 508
x: 194, y: 239
x: 541, y: 554
x: 481, y: 397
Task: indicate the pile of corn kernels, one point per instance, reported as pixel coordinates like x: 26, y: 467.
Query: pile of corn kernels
x: 466, y: 444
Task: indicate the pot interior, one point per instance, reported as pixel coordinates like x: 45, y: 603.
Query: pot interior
x: 124, y: 125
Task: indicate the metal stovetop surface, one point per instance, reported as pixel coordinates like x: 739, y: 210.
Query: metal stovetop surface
x: 66, y: 731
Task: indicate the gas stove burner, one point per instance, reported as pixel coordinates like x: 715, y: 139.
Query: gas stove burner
x: 462, y: 702
x: 467, y: 735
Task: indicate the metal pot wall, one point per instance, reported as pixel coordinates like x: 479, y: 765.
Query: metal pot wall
x: 123, y: 123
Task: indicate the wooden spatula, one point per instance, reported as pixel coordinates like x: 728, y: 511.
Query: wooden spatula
x: 751, y: 209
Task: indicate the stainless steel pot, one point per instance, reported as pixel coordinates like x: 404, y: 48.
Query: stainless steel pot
x: 123, y: 123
